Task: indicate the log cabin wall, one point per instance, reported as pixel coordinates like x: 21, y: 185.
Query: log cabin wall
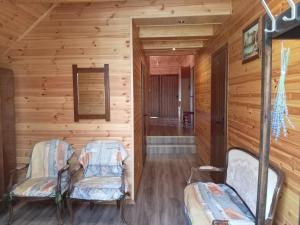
x: 166, y: 65
x: 244, y: 101
x: 89, y: 35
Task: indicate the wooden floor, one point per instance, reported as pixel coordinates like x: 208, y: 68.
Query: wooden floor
x: 159, y: 201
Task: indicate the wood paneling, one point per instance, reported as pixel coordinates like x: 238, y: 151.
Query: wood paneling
x: 164, y: 65
x: 88, y: 35
x: 244, y: 101
x: 15, y: 20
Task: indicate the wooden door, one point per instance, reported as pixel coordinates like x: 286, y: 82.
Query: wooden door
x: 153, y: 103
x: 144, y: 117
x: 219, y: 110
x: 169, y: 96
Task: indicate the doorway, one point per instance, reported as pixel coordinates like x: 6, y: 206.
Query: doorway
x: 219, y: 77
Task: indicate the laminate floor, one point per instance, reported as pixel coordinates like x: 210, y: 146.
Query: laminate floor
x: 159, y: 200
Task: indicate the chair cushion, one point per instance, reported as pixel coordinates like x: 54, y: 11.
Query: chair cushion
x: 206, y: 202
x: 98, y: 188
x: 103, y: 158
x: 48, y: 158
x: 37, y: 187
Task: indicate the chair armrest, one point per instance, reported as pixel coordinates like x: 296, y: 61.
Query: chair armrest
x: 203, y: 169
x: 59, y: 177
x: 75, y: 170
x: 12, y: 174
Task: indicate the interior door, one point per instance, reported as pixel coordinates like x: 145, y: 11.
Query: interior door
x: 219, y: 110
x: 144, y: 132
x: 169, y: 96
x: 153, y: 103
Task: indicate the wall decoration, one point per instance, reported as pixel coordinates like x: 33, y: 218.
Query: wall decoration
x: 251, y: 39
x: 280, y: 114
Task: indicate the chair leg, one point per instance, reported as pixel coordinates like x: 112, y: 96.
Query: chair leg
x: 118, y: 204
x: 70, y: 208
x: 92, y: 205
x: 10, y: 212
x: 59, y: 212
x: 122, y: 203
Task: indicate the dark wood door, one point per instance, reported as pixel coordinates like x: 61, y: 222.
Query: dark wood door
x: 7, y: 129
x: 144, y: 118
x: 219, y: 110
x: 153, y: 105
x: 169, y: 96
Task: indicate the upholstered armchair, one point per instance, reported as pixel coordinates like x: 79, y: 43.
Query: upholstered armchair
x: 47, y: 176
x: 103, y: 178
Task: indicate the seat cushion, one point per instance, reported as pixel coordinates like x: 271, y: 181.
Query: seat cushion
x: 37, y: 187
x: 206, y: 202
x: 98, y: 188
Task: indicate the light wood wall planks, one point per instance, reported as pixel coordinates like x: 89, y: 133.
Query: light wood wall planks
x: 244, y: 101
x: 88, y: 35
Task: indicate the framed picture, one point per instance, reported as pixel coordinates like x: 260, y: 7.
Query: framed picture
x: 251, y: 41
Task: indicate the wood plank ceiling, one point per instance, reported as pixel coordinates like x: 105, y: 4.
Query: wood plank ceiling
x: 16, y: 20
x: 160, y: 35
x: 178, y: 35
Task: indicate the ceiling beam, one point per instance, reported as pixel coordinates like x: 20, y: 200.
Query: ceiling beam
x: 176, y: 31
x: 187, y: 20
x: 170, y: 44
x: 64, y: 1
x: 167, y: 52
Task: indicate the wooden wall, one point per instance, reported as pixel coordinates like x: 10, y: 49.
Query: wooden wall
x: 165, y: 65
x: 244, y: 102
x: 138, y: 59
x: 89, y: 35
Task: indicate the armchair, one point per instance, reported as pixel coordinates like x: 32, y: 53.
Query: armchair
x: 103, y: 177
x: 47, y: 176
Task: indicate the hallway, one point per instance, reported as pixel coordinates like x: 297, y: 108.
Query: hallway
x: 159, y: 201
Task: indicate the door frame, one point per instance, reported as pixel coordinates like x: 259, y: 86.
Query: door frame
x: 218, y: 51
x: 144, y: 119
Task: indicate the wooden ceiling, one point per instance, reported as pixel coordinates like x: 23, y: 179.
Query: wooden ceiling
x: 178, y: 35
x: 183, y: 25
x: 17, y: 20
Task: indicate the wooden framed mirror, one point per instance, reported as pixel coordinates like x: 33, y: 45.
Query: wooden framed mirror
x: 91, y: 93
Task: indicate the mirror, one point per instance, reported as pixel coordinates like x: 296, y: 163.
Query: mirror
x: 91, y: 93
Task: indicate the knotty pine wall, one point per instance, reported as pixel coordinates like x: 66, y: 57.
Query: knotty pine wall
x: 244, y: 102
x: 89, y: 35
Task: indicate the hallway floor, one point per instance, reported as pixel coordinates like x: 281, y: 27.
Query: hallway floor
x: 159, y: 201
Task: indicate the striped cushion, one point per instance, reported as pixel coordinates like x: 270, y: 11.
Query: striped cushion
x: 103, y: 158
x: 206, y: 202
x: 98, y: 188
x: 38, y: 187
x: 48, y: 158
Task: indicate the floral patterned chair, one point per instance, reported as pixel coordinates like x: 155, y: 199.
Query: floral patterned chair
x: 47, y: 176
x: 234, y: 202
x: 103, y: 177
